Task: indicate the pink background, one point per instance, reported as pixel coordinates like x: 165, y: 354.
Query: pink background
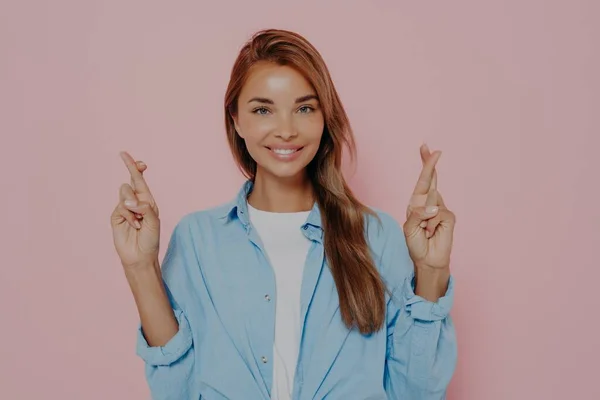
x: 508, y: 90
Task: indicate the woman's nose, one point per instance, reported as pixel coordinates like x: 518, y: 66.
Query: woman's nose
x: 286, y: 129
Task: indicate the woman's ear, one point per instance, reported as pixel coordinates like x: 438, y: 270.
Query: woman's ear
x: 234, y: 117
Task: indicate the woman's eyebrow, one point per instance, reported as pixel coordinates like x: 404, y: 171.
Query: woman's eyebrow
x: 306, y: 98
x: 298, y: 100
x: 261, y: 100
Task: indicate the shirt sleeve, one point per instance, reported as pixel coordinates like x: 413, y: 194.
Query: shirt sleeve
x: 421, y: 346
x: 168, y: 368
x: 173, y: 350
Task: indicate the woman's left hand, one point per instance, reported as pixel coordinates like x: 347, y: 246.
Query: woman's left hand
x: 429, y: 226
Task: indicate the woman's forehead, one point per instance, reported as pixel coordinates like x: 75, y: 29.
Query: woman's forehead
x: 276, y: 82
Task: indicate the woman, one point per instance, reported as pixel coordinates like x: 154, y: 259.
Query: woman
x: 294, y: 289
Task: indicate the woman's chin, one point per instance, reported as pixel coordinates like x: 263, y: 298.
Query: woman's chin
x: 288, y: 171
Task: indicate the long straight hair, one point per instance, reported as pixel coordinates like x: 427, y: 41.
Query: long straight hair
x: 359, y: 285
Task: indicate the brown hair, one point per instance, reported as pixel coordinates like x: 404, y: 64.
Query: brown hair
x: 359, y: 285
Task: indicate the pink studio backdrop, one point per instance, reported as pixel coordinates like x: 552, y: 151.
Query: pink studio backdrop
x: 508, y: 90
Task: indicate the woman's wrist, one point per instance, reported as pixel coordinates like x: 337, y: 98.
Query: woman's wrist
x: 431, y: 283
x: 142, y: 268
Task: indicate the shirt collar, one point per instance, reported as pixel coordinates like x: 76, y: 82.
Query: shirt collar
x: 238, y: 208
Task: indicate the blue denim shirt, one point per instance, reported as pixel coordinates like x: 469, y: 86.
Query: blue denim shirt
x: 222, y: 290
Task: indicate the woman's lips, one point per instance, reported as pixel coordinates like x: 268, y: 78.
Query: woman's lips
x: 285, y: 153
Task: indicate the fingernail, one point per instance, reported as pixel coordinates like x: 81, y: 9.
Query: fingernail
x: 431, y: 209
x: 130, y: 203
x: 423, y: 224
x: 137, y: 224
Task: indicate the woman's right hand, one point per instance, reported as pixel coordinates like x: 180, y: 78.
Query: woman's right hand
x: 135, y: 223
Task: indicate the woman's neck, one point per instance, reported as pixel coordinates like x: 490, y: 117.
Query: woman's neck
x: 281, y: 195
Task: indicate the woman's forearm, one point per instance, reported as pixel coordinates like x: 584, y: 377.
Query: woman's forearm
x: 156, y: 314
x: 432, y: 283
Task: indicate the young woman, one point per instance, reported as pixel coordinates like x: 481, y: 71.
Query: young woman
x: 294, y: 289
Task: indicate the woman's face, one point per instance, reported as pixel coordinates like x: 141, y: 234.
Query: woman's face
x: 280, y: 119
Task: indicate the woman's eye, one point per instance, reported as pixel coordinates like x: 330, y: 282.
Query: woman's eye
x: 260, y: 111
x: 305, y: 109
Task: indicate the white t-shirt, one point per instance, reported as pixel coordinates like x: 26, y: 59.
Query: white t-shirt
x: 286, y: 248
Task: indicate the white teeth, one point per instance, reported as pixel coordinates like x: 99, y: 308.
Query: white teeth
x: 284, y: 151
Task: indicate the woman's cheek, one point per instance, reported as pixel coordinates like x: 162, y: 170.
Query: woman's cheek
x: 313, y: 128
x: 260, y: 128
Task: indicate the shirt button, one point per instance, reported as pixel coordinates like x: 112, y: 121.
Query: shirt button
x: 305, y: 227
x: 267, y: 297
x: 264, y: 359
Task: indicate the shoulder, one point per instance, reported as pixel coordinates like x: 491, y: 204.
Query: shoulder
x: 387, y: 242
x: 203, y: 221
x: 381, y: 227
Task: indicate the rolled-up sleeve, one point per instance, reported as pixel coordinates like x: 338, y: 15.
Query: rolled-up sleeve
x: 172, y: 351
x: 422, y: 350
x: 169, y: 368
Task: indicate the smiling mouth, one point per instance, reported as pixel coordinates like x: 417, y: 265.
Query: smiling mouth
x: 285, y: 152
